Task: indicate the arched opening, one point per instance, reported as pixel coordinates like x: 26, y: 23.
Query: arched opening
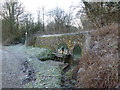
x: 77, y: 51
x: 63, y: 48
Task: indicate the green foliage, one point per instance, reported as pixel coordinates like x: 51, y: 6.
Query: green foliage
x: 46, y: 55
x: 77, y: 52
x: 69, y: 74
x: 71, y: 28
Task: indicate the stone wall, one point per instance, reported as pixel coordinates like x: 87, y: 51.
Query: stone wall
x: 52, y: 41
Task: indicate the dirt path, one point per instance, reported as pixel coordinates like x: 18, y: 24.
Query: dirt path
x: 11, y: 69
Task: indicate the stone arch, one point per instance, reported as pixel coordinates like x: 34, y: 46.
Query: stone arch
x: 77, y: 52
x: 63, y: 48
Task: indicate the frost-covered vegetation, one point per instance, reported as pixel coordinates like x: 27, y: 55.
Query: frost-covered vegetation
x: 47, y: 73
x: 30, y: 51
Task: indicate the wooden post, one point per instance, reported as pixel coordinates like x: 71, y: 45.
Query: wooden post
x: 25, y: 38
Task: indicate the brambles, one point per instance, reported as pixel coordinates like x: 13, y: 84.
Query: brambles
x: 100, y: 63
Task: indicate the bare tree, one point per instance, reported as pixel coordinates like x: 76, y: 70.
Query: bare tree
x: 99, y: 14
x: 11, y: 13
x: 12, y: 10
x: 61, y: 20
x: 43, y: 18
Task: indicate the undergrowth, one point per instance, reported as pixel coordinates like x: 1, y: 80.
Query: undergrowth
x: 98, y: 68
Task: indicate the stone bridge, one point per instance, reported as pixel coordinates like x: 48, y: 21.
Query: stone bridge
x: 74, y: 42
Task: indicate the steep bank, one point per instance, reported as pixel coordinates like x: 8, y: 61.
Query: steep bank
x: 98, y: 68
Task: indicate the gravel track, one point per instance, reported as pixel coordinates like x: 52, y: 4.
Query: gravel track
x: 11, y: 69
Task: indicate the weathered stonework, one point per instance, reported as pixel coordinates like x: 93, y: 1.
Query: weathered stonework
x: 52, y: 41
